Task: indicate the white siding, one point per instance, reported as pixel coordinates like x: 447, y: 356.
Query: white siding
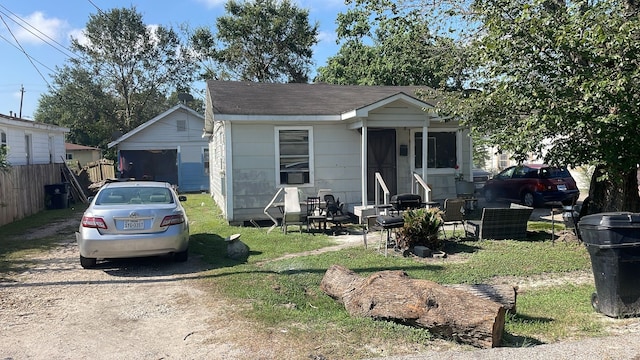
x: 336, y: 159
x: 163, y: 134
x: 41, y: 152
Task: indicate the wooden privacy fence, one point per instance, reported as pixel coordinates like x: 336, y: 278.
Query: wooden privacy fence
x: 100, y: 170
x: 22, y: 190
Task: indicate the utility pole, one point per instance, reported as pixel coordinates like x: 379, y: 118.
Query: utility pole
x: 21, y: 97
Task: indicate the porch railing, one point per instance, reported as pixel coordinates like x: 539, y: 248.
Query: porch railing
x: 381, y: 185
x: 420, y: 187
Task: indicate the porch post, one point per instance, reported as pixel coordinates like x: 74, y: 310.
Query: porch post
x: 425, y: 149
x: 363, y: 164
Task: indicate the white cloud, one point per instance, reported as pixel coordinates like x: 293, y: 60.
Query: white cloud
x: 327, y: 37
x: 212, y: 3
x: 36, y: 25
x: 79, y: 35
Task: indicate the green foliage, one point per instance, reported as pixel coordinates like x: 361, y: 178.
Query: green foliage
x: 559, y: 80
x: 384, y: 43
x: 121, y: 78
x: 421, y: 227
x: 5, y: 166
x: 260, y: 40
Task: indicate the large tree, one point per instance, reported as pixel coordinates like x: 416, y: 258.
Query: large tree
x: 80, y: 103
x: 121, y: 78
x: 560, y: 79
x: 261, y: 40
x: 385, y: 42
x: 555, y: 78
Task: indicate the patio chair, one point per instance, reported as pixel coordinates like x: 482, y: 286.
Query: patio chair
x: 315, y: 214
x: 453, y: 214
x: 335, y: 214
x: 292, y: 215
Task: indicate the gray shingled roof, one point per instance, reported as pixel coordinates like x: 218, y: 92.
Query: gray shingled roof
x: 252, y: 98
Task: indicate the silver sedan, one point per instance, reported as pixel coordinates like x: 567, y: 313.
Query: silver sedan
x: 133, y: 219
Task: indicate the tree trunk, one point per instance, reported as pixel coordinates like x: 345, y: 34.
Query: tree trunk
x: 393, y: 296
x: 504, y: 295
x: 617, y: 193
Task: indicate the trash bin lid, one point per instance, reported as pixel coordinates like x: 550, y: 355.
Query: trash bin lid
x: 612, y: 220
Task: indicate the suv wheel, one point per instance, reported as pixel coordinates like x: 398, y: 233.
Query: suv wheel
x: 527, y: 199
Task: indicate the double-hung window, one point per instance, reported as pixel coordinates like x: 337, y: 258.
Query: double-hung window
x: 294, y: 155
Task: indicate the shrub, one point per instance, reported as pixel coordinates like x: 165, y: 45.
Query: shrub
x: 421, y: 227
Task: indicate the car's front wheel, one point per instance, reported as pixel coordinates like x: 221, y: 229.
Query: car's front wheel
x: 527, y: 199
x: 87, y: 263
x: 181, y: 256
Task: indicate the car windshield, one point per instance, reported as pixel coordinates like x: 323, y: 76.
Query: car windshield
x: 134, y: 195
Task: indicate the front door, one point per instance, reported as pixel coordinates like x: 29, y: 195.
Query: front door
x: 381, y: 158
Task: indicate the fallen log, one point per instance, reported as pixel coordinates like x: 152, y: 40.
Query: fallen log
x: 503, y: 294
x: 392, y: 295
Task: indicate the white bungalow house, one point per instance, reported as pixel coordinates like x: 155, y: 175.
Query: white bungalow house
x: 265, y: 136
x: 169, y: 148
x: 30, y: 142
x: 36, y: 154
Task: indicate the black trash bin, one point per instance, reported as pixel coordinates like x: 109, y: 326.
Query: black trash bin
x: 613, y: 242
x: 56, y: 196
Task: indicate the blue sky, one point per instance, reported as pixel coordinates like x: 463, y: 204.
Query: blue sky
x: 59, y: 20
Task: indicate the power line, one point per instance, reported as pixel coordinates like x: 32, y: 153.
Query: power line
x: 97, y: 7
x: 29, y: 56
x: 59, y: 46
x: 23, y: 50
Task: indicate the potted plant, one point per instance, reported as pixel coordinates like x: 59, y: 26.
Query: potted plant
x: 421, y: 227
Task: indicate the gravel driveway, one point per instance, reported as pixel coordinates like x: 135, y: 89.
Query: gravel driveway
x: 131, y: 309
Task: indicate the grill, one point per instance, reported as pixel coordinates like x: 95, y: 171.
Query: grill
x: 402, y: 202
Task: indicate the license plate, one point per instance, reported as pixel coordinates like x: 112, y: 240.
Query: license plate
x: 134, y: 224
x: 562, y: 187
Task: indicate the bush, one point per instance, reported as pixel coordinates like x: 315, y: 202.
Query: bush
x: 421, y: 227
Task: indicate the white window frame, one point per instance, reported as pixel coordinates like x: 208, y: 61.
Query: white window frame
x: 309, y: 130
x: 437, y: 171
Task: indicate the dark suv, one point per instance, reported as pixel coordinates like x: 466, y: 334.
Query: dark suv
x: 532, y: 185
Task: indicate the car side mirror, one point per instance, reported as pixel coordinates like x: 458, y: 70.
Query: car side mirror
x: 182, y: 198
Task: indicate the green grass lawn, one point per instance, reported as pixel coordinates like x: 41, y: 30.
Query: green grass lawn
x: 285, y: 293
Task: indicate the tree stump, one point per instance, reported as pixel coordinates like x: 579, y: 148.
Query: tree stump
x: 392, y: 295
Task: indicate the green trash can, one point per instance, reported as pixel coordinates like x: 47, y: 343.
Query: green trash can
x: 56, y: 196
x: 613, y: 242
